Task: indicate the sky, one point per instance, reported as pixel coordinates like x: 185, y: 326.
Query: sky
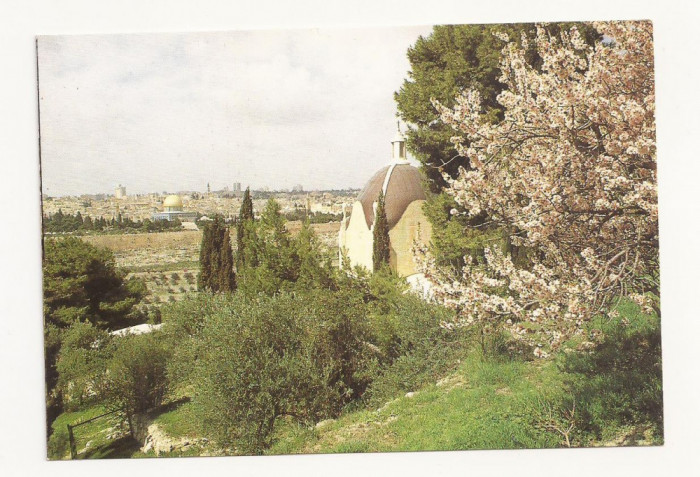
x: 173, y: 112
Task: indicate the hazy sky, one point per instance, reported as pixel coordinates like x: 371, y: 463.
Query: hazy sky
x: 168, y: 112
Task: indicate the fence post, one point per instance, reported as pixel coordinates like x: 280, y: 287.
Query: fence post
x: 71, y: 439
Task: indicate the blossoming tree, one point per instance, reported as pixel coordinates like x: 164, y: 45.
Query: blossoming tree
x: 570, y: 174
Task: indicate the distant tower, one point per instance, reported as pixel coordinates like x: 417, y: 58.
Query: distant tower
x: 398, y: 146
x: 208, y: 189
x: 120, y: 192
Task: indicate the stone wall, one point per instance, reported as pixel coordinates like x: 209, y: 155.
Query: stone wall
x: 413, y: 225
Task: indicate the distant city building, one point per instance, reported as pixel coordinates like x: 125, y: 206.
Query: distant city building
x: 324, y: 208
x: 298, y: 188
x: 173, y: 209
x: 404, y: 198
x: 120, y: 192
x: 236, y: 187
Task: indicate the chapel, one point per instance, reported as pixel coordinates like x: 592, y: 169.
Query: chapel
x: 403, y: 199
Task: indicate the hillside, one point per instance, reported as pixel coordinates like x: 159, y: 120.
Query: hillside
x: 482, y: 404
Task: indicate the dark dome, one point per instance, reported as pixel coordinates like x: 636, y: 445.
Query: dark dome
x: 403, y: 188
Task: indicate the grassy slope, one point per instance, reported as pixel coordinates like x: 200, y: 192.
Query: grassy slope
x: 484, y: 405
x: 103, y: 438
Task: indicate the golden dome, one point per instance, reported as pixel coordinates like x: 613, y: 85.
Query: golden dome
x: 173, y: 202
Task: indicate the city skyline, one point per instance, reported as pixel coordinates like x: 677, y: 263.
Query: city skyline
x: 224, y: 190
x: 157, y: 112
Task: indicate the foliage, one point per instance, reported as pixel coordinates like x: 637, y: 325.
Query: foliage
x: 416, y: 350
x: 481, y: 405
x: 136, y: 378
x: 81, y: 364
x: 618, y: 381
x: 570, y: 174
x: 313, y: 217
x: 455, y: 237
x: 122, y: 373
x: 381, y: 247
x: 275, y: 261
x: 67, y: 223
x: 81, y: 285
x: 245, y: 218
x: 315, y: 267
x: 216, y: 271
x: 443, y: 64
x: 268, y: 258
x: 267, y: 357
x: 184, y: 323
x: 454, y: 58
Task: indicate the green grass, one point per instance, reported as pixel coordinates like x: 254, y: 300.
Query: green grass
x: 619, y: 386
x: 122, y: 448
x: 484, y: 405
x: 92, y: 438
x: 179, y: 420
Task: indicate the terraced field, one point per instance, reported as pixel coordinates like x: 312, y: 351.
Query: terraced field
x: 168, y: 261
x: 151, y: 251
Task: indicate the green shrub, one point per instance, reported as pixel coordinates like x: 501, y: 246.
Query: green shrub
x: 59, y: 444
x: 81, y: 364
x: 417, y: 349
x: 154, y: 315
x: 184, y: 322
x: 258, y: 358
x: 137, y: 378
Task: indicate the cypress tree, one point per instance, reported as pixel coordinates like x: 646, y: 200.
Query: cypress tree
x: 216, y: 259
x: 204, y: 277
x: 227, y: 276
x: 247, y: 205
x: 381, y: 245
x: 244, y: 217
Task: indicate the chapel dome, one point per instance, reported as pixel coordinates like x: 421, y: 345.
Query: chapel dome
x: 403, y: 187
x: 173, y: 201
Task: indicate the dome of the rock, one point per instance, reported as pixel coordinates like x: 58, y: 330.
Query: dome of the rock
x: 172, y: 202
